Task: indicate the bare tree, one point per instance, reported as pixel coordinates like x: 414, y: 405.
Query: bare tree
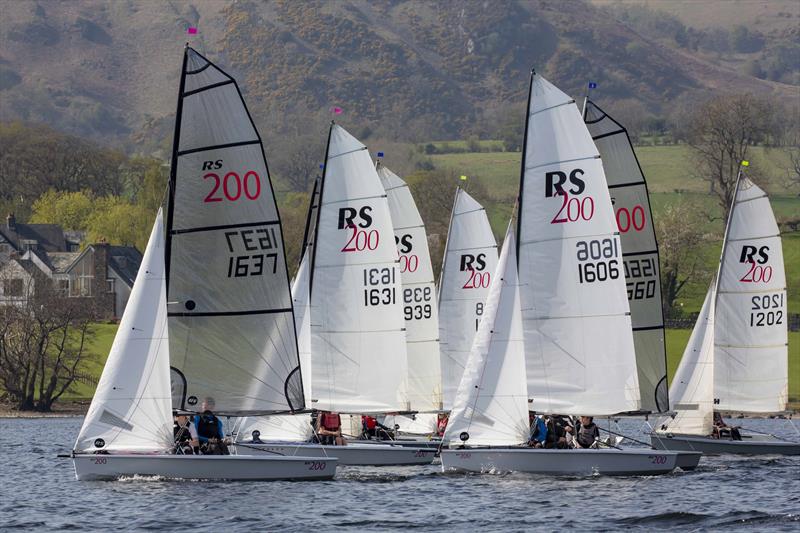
x: 680, y: 241
x: 42, y: 344
x: 721, y: 135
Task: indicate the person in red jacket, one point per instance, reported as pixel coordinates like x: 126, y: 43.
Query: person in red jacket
x: 329, y: 428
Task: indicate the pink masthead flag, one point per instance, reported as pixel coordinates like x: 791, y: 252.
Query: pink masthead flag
x: 191, y: 30
x: 336, y: 110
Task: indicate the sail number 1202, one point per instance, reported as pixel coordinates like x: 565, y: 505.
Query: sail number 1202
x: 598, y: 260
x: 379, y: 286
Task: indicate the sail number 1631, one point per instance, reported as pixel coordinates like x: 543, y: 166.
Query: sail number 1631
x: 379, y: 286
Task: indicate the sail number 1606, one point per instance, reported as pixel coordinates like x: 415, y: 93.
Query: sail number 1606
x: 598, y: 260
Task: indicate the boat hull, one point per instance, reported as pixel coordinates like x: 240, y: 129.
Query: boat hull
x: 353, y: 454
x: 216, y: 467
x: 405, y: 442
x: 605, y: 462
x: 749, y: 445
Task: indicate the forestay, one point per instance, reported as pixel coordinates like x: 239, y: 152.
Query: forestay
x: 232, y: 332
x: 692, y: 389
x: 131, y: 408
x: 491, y: 404
x: 419, y: 296
x: 470, y: 259
x: 750, y: 326
x: 578, y: 339
x: 631, y: 203
x: 358, y: 342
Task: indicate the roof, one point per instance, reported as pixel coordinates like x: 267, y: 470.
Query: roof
x: 50, y: 237
x: 62, y: 260
x: 125, y: 261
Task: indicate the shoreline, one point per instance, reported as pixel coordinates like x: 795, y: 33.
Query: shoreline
x: 60, y: 410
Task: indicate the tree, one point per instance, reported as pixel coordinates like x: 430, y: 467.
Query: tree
x: 680, y: 241
x: 721, y: 135
x: 42, y: 345
x: 297, y: 160
x: 70, y: 210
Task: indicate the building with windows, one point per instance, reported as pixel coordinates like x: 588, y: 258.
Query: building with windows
x: 100, y: 272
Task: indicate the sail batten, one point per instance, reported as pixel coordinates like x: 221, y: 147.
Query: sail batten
x: 633, y: 214
x: 232, y: 331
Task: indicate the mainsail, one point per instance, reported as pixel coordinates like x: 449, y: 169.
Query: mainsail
x: 634, y: 218
x: 578, y: 339
x: 419, y: 295
x: 491, y: 404
x: 692, y: 389
x: 231, y: 325
x: 131, y: 408
x: 470, y: 258
x: 750, y: 324
x: 358, y: 341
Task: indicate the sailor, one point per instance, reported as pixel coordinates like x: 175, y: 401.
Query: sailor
x: 186, y: 441
x: 538, y: 432
x: 209, y: 430
x: 559, y: 432
x: 587, y: 433
x: 371, y: 428
x: 441, y: 424
x: 722, y: 429
x: 329, y: 428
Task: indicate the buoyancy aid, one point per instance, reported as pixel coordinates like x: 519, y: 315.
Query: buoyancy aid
x: 208, y: 426
x: 330, y: 421
x: 370, y: 423
x: 182, y: 433
x: 587, y: 434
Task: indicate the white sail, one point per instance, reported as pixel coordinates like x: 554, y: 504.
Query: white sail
x: 491, y: 404
x: 232, y: 332
x: 692, y: 389
x: 575, y: 309
x: 470, y: 259
x: 420, y: 311
x: 417, y: 424
x: 634, y: 218
x: 750, y: 325
x: 289, y: 427
x: 131, y: 408
x: 358, y: 343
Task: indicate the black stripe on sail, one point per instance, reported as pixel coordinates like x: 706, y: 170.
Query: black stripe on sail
x: 198, y: 71
x: 646, y: 252
x: 235, y: 313
x: 207, y: 87
x: 629, y: 184
x: 217, y: 147
x: 648, y: 328
x: 227, y: 226
x: 609, y: 134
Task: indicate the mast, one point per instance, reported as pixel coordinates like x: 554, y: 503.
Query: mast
x: 316, y: 222
x: 522, y: 163
x: 725, y: 235
x: 309, y: 214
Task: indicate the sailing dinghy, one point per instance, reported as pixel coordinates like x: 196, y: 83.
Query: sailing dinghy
x: 358, y: 356
x: 737, y: 356
x: 210, y: 309
x: 556, y: 337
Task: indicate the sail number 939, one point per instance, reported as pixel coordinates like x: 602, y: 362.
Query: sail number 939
x: 598, y: 260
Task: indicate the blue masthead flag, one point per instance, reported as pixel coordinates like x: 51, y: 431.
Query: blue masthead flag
x: 380, y: 154
x: 592, y: 85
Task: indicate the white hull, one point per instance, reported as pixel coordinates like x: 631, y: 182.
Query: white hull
x: 607, y: 462
x: 353, y: 454
x: 749, y: 445
x: 229, y: 467
x: 407, y: 442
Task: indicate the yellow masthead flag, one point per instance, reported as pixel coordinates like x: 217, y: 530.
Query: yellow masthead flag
x: 745, y: 163
x: 463, y: 178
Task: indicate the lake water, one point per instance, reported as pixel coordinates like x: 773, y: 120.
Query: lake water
x: 39, y: 492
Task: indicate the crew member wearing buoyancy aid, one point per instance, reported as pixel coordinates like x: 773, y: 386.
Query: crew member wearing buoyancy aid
x: 329, y: 428
x: 186, y: 441
x: 209, y: 431
x: 371, y: 428
x: 587, y: 433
